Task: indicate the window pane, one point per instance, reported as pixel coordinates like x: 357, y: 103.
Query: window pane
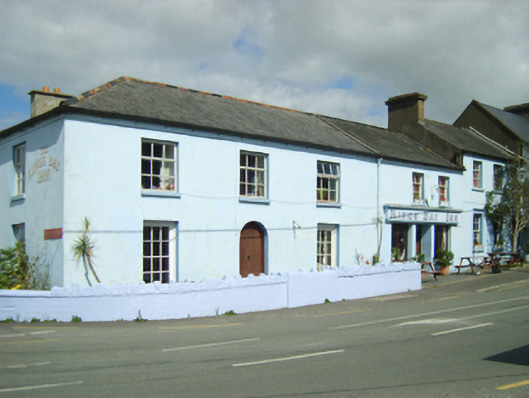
x: 146, y: 166
x: 251, y: 161
x: 156, y: 264
x: 146, y: 182
x: 165, y: 263
x: 243, y: 159
x: 146, y: 264
x: 260, y: 162
x: 165, y: 277
x: 169, y: 152
x: 147, y: 248
x: 147, y: 278
x: 146, y: 233
x: 157, y: 150
x: 146, y: 149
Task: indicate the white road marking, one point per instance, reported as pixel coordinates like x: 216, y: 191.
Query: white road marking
x: 315, y: 354
x: 400, y: 318
x: 23, y: 366
x: 426, y: 322
x: 42, y: 332
x: 12, y: 335
x: 462, y: 329
x: 72, y: 383
x: 190, y: 347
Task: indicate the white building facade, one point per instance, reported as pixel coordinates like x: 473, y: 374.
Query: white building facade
x: 174, y: 202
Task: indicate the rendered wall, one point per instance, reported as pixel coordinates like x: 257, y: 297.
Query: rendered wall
x: 208, y: 298
x: 102, y: 182
x: 40, y: 208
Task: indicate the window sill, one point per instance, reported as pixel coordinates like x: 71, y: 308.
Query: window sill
x: 18, y: 198
x: 160, y: 194
x: 477, y: 249
x: 478, y: 189
x: 329, y: 204
x: 444, y: 204
x: 254, y: 200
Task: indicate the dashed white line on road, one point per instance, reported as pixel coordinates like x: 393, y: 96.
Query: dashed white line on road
x: 25, y: 365
x: 26, y: 388
x: 221, y: 343
x: 462, y: 329
x: 314, y: 354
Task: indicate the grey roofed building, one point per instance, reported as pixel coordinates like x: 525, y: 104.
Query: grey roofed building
x: 509, y: 127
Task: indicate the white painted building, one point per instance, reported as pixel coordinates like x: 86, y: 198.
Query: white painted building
x: 183, y: 185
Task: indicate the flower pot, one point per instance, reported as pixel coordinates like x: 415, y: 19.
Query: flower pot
x: 444, y: 271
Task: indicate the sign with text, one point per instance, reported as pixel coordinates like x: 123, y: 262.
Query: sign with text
x: 421, y: 216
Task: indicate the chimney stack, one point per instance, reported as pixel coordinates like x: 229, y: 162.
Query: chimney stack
x: 407, y: 109
x: 44, y: 101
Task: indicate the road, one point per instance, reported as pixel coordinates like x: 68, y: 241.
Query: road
x: 466, y: 336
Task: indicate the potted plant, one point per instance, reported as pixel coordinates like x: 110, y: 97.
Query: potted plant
x: 443, y: 260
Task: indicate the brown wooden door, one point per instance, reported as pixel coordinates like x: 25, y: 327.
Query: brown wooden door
x: 251, y: 250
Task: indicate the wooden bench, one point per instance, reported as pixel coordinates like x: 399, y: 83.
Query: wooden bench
x: 469, y: 264
x: 433, y: 272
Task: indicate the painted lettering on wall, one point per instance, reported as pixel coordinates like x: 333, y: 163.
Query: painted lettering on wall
x: 44, y: 166
x: 423, y: 216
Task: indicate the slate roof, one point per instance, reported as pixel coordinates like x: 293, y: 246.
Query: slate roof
x: 390, y: 144
x: 519, y: 125
x: 193, y: 109
x: 468, y: 140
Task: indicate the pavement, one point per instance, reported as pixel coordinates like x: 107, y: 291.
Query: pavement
x: 513, y: 273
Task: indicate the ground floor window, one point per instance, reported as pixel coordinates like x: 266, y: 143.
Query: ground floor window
x: 326, y: 250
x: 477, y: 231
x: 159, y: 252
x: 399, y: 242
x: 19, y: 232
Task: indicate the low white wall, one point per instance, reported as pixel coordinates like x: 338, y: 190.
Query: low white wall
x: 207, y: 298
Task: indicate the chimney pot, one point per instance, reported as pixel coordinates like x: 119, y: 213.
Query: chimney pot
x: 46, y: 89
x: 57, y: 90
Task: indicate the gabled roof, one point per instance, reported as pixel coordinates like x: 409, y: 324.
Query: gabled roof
x: 162, y: 103
x: 390, y: 144
x: 468, y: 140
x: 519, y: 125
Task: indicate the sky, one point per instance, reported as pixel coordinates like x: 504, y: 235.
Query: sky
x: 341, y: 58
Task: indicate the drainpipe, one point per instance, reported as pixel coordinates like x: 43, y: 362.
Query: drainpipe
x: 378, y: 219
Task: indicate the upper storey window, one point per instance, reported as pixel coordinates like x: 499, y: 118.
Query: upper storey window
x: 477, y: 174
x: 498, y: 177
x: 444, y: 185
x: 19, y: 162
x: 158, y: 166
x: 252, y: 175
x: 328, y: 182
x: 418, y: 187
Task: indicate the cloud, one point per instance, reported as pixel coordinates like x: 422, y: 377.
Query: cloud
x: 340, y: 58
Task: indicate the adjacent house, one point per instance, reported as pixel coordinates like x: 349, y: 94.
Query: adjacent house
x: 186, y: 185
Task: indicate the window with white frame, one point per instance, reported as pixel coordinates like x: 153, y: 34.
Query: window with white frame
x: 418, y: 187
x: 253, y: 175
x: 476, y: 174
x: 443, y: 184
x: 19, y: 162
x: 159, y: 252
x: 326, y: 249
x: 158, y: 166
x: 498, y: 177
x: 328, y: 182
x: 477, y: 231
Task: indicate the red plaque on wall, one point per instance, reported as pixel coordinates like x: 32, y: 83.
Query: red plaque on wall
x: 55, y: 233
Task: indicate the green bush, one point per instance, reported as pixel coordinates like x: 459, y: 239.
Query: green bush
x: 19, y: 271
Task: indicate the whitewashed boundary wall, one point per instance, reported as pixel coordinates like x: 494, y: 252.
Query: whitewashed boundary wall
x: 207, y: 298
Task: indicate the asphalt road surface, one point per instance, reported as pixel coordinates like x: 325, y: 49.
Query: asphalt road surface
x: 466, y: 336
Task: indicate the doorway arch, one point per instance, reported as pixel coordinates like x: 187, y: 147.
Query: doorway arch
x: 252, y: 249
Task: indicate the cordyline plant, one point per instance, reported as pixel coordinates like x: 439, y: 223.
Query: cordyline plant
x: 513, y: 207
x: 83, y: 248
